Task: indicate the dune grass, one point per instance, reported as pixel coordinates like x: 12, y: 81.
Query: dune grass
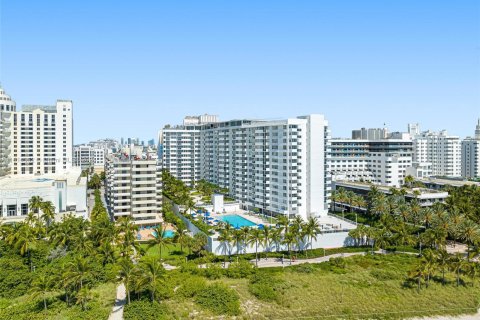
x: 369, y: 287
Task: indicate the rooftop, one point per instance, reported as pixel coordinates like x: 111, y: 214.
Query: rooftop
x: 45, y: 180
x: 410, y: 191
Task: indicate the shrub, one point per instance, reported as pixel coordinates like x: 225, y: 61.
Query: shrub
x: 15, y: 277
x: 304, y: 268
x: 213, y: 271
x: 241, y: 269
x: 338, y: 262
x: 191, y: 287
x: 145, y: 310
x: 219, y: 299
x: 383, y: 275
x: 266, y: 287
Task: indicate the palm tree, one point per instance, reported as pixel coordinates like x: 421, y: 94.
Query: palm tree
x: 41, y: 285
x: 23, y: 240
x: 126, y: 274
x: 255, y: 237
x: 237, y: 239
x: 283, y: 223
x: 48, y: 210
x: 443, y: 261
x: 382, y: 238
x: 225, y: 239
x: 107, y: 253
x: 404, y: 211
x: 267, y: 238
x: 181, y: 236
x: 380, y: 205
x: 470, y: 233
x: 415, y: 210
x: 427, y: 216
x: 83, y: 296
x: 409, y: 180
x: 457, y: 263
x: 418, y: 273
x: 153, y: 272
x: 160, y: 239
x: 472, y: 269
x: 290, y: 239
x: 341, y: 196
x: 276, y: 237
x: 429, y: 262
x: 245, y: 231
x: 35, y: 204
x: 403, y: 235
x: 79, y: 271
x: 312, y: 228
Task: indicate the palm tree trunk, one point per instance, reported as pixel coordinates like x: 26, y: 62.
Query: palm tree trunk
x: 45, y: 303
x: 256, y: 253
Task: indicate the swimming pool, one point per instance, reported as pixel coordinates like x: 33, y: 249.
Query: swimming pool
x: 168, y: 234
x: 237, y: 221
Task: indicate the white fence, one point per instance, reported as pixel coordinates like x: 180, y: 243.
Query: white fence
x: 327, y: 240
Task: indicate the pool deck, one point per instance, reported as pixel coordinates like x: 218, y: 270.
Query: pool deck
x: 146, y: 234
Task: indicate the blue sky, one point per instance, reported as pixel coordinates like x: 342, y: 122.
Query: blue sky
x: 133, y: 67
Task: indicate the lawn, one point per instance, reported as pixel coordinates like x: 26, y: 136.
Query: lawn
x: 370, y: 287
x: 171, y: 254
x: 29, y: 308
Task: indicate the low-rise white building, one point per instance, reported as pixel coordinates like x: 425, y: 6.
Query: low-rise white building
x: 67, y: 192
x: 381, y: 162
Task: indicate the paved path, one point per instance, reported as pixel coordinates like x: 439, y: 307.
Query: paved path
x: 277, y: 262
x: 117, y: 311
x: 463, y: 317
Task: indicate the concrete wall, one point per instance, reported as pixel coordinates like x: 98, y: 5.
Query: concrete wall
x: 326, y: 240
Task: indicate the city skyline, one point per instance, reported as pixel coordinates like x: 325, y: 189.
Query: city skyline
x: 360, y: 65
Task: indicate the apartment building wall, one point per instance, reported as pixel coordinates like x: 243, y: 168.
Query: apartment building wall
x: 441, y: 150
x: 134, y: 188
x: 276, y: 166
x: 378, y: 161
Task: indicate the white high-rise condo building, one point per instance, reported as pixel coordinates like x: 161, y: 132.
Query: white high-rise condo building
x: 471, y: 155
x: 440, y: 150
x: 382, y: 161
x: 36, y: 159
x: 279, y: 167
x: 7, y: 107
x: 36, y: 140
x: 134, y: 188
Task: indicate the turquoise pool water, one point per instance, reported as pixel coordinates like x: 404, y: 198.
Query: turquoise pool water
x: 237, y: 221
x: 168, y: 234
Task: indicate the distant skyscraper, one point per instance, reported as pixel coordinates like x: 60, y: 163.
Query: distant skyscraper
x: 471, y: 155
x: 370, y: 134
x: 413, y: 129
x: 441, y: 150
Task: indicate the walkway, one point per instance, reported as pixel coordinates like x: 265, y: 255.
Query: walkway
x: 117, y: 311
x: 277, y: 262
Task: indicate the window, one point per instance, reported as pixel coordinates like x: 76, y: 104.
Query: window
x: 11, y: 210
x: 24, y: 209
